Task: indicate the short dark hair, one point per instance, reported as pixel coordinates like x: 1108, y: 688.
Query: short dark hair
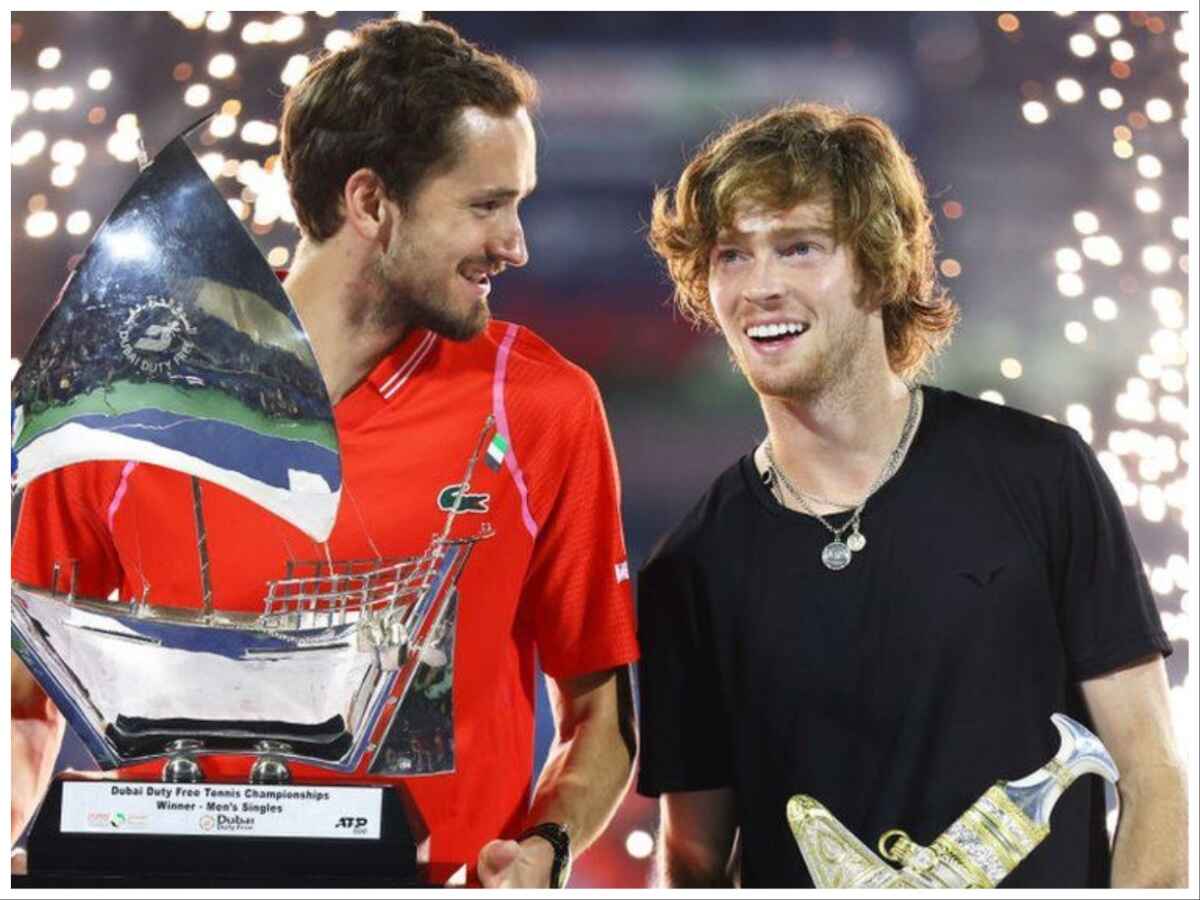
x: 799, y: 152
x: 388, y: 101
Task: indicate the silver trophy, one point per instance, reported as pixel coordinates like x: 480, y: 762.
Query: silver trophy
x: 978, y: 850
x: 173, y: 343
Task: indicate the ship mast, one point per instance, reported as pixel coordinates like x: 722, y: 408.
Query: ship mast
x: 206, y: 593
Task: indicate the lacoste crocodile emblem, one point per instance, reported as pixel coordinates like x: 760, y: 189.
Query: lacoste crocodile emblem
x: 448, y: 496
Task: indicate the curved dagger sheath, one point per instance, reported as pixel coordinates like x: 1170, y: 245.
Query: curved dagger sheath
x: 980, y: 849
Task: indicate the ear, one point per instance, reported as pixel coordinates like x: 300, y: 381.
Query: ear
x: 870, y: 296
x: 366, y: 206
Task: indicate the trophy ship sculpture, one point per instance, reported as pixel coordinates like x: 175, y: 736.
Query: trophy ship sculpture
x: 173, y: 343
x: 318, y: 675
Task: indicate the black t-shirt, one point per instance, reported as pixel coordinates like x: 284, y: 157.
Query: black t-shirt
x: 998, y: 573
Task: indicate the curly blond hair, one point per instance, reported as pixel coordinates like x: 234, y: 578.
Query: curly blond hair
x: 795, y: 153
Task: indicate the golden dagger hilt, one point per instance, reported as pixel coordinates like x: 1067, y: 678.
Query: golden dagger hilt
x: 980, y: 849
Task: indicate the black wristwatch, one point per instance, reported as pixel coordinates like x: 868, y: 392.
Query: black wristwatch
x: 557, y: 837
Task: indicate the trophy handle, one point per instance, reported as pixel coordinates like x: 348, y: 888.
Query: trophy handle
x: 1079, y: 753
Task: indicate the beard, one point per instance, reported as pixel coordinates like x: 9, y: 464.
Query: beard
x: 410, y: 296
x: 828, y: 369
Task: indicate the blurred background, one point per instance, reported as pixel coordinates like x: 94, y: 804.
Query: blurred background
x: 1054, y: 147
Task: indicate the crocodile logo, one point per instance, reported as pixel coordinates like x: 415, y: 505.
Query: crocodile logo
x: 476, y: 503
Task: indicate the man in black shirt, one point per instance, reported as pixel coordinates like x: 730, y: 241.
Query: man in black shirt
x: 882, y: 605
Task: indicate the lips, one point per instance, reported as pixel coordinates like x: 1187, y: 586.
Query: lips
x: 775, y: 336
x: 480, y: 282
x: 766, y: 332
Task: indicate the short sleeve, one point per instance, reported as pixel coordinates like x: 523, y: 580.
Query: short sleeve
x: 577, y: 594
x: 685, y: 730
x: 1107, y: 612
x: 60, y: 520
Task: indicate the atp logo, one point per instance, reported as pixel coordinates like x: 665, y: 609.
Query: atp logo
x: 476, y: 503
x: 353, y: 824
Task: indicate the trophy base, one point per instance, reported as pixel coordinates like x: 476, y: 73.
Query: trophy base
x: 61, y: 853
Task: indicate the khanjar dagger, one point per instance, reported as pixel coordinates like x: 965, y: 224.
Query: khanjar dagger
x: 980, y: 849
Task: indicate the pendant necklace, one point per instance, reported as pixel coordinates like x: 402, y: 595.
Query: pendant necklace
x: 838, y: 553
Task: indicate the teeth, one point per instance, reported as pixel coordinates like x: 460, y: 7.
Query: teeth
x: 775, y: 329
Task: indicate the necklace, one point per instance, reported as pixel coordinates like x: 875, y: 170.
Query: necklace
x: 838, y: 553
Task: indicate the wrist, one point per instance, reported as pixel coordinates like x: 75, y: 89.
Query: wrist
x: 540, y: 850
x: 550, y: 844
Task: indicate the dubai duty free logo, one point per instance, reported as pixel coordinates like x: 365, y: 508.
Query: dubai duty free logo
x: 156, y: 335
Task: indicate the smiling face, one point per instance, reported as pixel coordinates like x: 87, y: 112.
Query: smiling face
x: 459, y: 230
x: 789, y: 299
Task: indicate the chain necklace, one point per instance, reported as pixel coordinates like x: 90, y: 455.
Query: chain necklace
x: 838, y: 553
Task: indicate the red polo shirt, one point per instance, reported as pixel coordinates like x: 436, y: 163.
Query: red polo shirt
x: 552, y: 580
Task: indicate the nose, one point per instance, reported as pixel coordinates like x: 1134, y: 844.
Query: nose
x: 508, y: 245
x: 762, y: 284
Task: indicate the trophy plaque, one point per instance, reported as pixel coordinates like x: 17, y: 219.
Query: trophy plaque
x: 173, y: 343
x: 978, y: 850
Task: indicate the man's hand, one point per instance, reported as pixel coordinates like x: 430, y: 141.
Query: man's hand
x: 507, y: 864
x: 37, y: 732
x: 586, y: 773
x: 697, y: 841
x: 1132, y: 713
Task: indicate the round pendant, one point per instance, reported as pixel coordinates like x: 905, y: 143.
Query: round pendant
x: 836, y: 555
x: 856, y: 541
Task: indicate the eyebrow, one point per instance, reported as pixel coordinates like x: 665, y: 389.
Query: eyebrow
x: 503, y: 193
x: 784, y: 233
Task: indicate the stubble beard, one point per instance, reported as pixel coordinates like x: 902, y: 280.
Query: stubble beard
x: 829, y: 370
x: 408, y: 297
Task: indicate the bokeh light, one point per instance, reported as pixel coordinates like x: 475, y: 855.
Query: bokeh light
x: 1148, y: 200
x: 1035, y: 112
x: 1104, y: 308
x: 1149, y: 166
x: 222, y: 65
x: 1107, y: 25
x: 1069, y: 90
x: 79, y: 222
x: 1085, y: 222
x: 1011, y: 368
x: 49, y: 58
x: 41, y: 224
x: 1075, y: 332
x: 197, y: 95
x: 1082, y: 45
x: 1156, y: 259
x: 1158, y: 109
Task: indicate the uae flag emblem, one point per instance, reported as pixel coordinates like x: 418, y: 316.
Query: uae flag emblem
x: 495, y: 452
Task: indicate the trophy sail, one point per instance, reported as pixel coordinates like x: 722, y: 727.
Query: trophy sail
x: 173, y: 343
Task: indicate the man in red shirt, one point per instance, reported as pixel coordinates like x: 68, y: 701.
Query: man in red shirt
x: 408, y: 153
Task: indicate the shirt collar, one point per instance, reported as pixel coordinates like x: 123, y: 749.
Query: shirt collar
x: 398, y: 366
